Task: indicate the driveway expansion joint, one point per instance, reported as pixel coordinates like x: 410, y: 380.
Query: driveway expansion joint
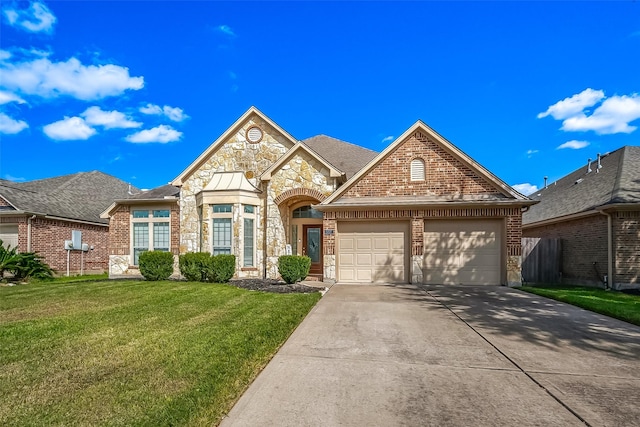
x: 513, y: 362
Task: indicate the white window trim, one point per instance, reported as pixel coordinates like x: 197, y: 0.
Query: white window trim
x: 149, y: 220
x: 218, y: 215
x: 252, y: 216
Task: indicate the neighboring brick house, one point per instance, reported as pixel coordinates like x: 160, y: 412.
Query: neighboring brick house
x: 38, y: 216
x: 595, y: 211
x: 420, y: 211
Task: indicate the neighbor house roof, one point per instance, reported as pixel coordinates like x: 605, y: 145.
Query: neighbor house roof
x: 344, y: 156
x: 616, y: 182
x: 81, y: 196
x: 163, y: 194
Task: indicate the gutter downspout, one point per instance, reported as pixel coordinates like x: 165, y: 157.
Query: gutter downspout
x: 609, y: 280
x: 29, y: 232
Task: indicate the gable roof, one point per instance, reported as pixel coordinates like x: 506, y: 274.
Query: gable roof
x: 222, y: 138
x: 464, y: 158
x: 163, y: 194
x: 344, y: 156
x: 617, y: 182
x: 300, y: 146
x: 80, y: 196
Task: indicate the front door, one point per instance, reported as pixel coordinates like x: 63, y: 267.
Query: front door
x: 312, y: 247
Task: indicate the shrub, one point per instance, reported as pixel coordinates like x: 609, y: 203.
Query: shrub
x: 293, y: 268
x: 193, y: 266
x: 22, y: 265
x: 223, y: 267
x: 156, y: 265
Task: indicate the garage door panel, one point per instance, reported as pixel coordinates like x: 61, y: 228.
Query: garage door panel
x: 9, y: 235
x: 347, y: 243
x: 378, y: 252
x: 363, y: 244
x: 462, y: 252
x: 347, y: 259
x: 364, y: 259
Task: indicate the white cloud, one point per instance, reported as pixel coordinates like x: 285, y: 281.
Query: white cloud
x: 7, y: 97
x: 225, y: 29
x: 573, y: 144
x: 573, y: 105
x: 70, y: 128
x: 11, y: 126
x: 172, y: 113
x: 35, y: 19
x: 532, y: 152
x: 525, y: 188
x: 612, y: 116
x: 14, y: 178
x: 108, y: 119
x: 387, y: 138
x: 47, y: 79
x: 161, y: 134
x: 4, y: 55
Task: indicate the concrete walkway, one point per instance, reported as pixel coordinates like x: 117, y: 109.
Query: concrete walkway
x: 376, y: 355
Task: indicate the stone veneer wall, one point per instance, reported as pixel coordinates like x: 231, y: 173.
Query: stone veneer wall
x: 235, y: 154
x: 301, y: 171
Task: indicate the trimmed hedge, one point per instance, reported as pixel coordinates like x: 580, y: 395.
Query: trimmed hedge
x: 156, y: 265
x: 203, y: 267
x: 193, y: 265
x: 293, y: 268
x: 224, y: 267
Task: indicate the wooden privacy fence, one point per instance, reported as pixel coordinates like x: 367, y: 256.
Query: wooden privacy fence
x: 541, y: 260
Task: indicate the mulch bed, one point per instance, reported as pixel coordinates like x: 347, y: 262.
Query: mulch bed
x: 272, y: 286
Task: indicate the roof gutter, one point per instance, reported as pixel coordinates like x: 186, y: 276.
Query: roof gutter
x: 423, y: 205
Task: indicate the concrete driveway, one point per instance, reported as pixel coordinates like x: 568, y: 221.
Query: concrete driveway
x: 390, y: 355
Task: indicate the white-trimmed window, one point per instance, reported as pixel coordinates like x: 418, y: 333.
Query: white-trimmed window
x: 150, y: 231
x: 417, y: 170
x: 221, y: 229
x: 249, y: 230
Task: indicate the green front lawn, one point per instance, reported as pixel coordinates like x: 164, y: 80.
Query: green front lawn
x: 135, y: 352
x: 611, y: 303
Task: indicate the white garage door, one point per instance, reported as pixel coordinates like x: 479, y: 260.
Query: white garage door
x: 9, y: 235
x: 372, y: 252
x: 462, y: 252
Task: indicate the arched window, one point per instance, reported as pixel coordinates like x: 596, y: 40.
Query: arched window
x: 417, y: 170
x: 306, y: 212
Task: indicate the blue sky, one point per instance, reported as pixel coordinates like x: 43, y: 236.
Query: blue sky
x: 139, y: 89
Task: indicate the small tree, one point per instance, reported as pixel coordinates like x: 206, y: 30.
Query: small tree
x: 156, y: 265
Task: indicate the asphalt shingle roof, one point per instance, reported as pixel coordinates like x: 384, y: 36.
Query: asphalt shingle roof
x: 157, y: 193
x: 80, y: 196
x: 618, y: 181
x: 344, y: 156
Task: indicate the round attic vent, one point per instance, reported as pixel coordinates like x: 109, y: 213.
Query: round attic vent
x: 254, y: 134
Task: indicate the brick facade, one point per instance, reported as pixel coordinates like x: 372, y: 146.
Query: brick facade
x: 626, y: 240
x: 47, y: 239
x: 447, y: 178
x: 445, y: 174
x: 584, y: 247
